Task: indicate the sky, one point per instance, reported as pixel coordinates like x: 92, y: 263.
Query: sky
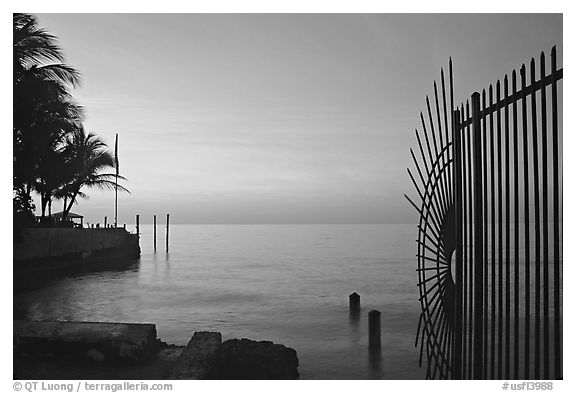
x: 276, y: 118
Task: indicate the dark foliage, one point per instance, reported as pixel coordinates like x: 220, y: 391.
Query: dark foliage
x: 52, y: 155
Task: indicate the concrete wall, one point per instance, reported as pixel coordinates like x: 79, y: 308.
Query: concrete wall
x: 57, y: 242
x: 51, y: 248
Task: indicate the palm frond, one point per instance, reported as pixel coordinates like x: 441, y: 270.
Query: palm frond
x: 32, y: 44
x: 61, y: 72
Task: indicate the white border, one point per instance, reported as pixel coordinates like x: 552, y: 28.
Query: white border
x: 335, y: 6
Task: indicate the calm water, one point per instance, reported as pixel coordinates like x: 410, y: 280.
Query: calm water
x: 284, y: 283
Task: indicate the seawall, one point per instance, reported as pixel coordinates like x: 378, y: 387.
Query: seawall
x: 46, y: 249
x: 104, y: 350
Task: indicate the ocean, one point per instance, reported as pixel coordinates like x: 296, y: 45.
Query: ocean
x: 284, y: 283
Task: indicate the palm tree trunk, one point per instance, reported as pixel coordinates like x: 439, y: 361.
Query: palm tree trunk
x: 43, y: 202
x: 65, y: 213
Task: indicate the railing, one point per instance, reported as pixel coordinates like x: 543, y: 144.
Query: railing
x: 491, y: 196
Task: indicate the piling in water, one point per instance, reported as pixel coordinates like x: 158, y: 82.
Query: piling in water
x: 167, y: 229
x: 374, y: 329
x: 154, y: 232
x: 354, y: 303
x: 137, y: 224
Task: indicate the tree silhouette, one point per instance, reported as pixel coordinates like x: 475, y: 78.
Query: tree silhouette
x: 52, y: 154
x: 87, y: 158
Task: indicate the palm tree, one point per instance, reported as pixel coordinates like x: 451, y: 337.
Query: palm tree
x: 34, y: 46
x: 43, y: 108
x: 52, y: 154
x: 43, y: 115
x: 87, y: 158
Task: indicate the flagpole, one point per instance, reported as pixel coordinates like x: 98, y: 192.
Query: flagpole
x: 116, y: 188
x: 116, y: 205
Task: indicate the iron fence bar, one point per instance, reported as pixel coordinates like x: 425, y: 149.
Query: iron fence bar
x: 469, y: 245
x: 537, y: 260
x: 458, y: 354
x: 429, y: 187
x: 421, y: 262
x: 526, y: 231
x: 492, y: 242
x: 451, y: 91
x: 431, y: 341
x: 436, y: 314
x: 472, y: 239
x: 420, y: 211
x: 464, y: 243
x: 450, y: 182
x: 516, y: 234
x: 423, y: 196
x: 444, y: 351
x: 478, y: 260
x: 444, y: 197
x: 442, y: 345
x: 443, y: 206
x: 431, y: 260
x: 438, y: 253
x: 524, y: 92
x: 430, y: 268
x: 485, y: 214
x: 545, y: 342
x: 450, y: 354
x: 445, y: 181
x: 500, y: 274
x: 424, y: 183
x: 556, y: 229
x: 420, y: 274
x: 434, y: 243
x: 507, y: 233
x: 456, y: 338
x: 429, y: 172
x: 472, y: 328
x: 464, y: 251
x: 441, y: 203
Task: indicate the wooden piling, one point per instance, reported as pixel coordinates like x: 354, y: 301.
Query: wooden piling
x: 167, y: 229
x: 137, y: 224
x: 374, y: 329
x: 154, y: 232
x: 354, y: 303
x: 105, y: 222
x: 124, y: 225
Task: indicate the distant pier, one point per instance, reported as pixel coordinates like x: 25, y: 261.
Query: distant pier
x: 46, y: 249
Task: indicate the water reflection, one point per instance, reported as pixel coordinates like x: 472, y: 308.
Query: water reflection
x: 167, y: 269
x: 354, y: 317
x: 375, y: 363
x: 32, y: 281
x: 354, y: 322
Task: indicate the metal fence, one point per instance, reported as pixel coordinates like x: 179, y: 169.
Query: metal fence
x: 489, y: 236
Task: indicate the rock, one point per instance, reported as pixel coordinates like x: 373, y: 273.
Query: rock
x: 247, y: 359
x: 170, y: 354
x: 132, y: 342
x: 198, y: 359
x: 96, y: 355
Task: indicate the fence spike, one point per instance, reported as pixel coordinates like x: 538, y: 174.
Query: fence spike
x: 447, y: 338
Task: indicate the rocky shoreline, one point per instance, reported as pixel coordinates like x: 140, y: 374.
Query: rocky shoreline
x: 95, y: 350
